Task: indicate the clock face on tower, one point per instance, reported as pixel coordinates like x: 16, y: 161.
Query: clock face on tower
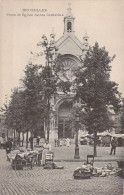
x: 67, y: 69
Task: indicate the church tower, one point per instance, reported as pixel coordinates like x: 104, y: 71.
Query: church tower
x: 69, y: 21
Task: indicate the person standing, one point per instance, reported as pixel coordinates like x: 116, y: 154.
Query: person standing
x: 67, y: 142
x: 8, y: 147
x: 31, y: 142
x: 38, y: 140
x: 113, y: 146
x: 46, y: 150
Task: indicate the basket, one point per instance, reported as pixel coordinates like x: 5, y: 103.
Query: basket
x: 81, y: 174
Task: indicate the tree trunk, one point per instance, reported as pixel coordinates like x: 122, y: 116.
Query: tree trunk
x: 27, y: 139
x: 19, y: 139
x: 22, y: 138
x: 7, y: 134
x: 14, y: 134
x: 31, y: 142
x: 95, y: 143
x: 48, y: 120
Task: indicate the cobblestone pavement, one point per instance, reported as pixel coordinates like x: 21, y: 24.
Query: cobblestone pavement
x: 39, y: 181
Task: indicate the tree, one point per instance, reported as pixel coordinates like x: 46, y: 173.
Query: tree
x: 14, y: 112
x: 27, y: 109
x: 95, y: 90
x: 31, y: 107
x: 34, y: 100
x: 40, y: 83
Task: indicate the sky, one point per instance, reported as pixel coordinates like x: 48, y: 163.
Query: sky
x: 22, y: 29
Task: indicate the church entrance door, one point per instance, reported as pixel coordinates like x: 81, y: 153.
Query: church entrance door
x: 64, y: 124
x: 64, y: 129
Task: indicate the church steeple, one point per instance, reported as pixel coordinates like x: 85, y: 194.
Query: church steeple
x: 69, y: 21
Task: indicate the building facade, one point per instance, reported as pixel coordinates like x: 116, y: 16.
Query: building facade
x: 119, y: 120
x: 72, y: 51
x: 4, y: 132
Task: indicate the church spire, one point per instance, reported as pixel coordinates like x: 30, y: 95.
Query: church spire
x: 69, y: 21
x: 69, y: 10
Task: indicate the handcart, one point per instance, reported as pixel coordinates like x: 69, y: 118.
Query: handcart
x: 18, y: 163
x: 82, y: 173
x: 85, y: 171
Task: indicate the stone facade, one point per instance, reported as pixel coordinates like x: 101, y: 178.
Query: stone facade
x: 72, y: 51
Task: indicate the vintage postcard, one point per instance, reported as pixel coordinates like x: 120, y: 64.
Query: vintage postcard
x: 61, y: 97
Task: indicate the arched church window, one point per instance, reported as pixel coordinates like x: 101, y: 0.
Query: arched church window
x: 69, y: 26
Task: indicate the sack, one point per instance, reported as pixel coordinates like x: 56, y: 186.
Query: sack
x: 48, y: 166
x: 16, y: 165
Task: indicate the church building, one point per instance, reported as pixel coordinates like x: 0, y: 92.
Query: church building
x: 72, y: 51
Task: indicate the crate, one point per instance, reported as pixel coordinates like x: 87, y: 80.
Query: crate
x: 90, y: 159
x: 49, y: 157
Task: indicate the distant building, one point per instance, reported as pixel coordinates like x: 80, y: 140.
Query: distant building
x: 4, y: 132
x: 119, y: 120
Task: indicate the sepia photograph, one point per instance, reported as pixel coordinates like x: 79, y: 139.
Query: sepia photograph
x: 61, y: 97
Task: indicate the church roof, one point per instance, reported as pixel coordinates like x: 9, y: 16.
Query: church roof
x: 69, y: 44
x: 73, y: 38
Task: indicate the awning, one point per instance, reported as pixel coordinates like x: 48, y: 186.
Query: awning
x: 118, y: 135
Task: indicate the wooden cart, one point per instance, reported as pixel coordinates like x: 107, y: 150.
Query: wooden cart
x: 18, y: 163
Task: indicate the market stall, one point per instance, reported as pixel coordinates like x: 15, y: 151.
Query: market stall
x: 86, y: 171
x: 20, y: 158
x: 120, y: 139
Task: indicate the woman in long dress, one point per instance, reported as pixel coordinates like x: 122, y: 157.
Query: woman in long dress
x: 67, y: 142
x: 46, y: 149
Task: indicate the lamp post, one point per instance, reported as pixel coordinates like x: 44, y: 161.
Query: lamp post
x: 76, y: 156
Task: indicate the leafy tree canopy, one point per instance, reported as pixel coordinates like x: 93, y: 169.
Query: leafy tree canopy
x: 95, y: 90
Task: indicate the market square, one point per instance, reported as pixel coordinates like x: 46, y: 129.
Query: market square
x: 61, y: 181
x: 62, y: 98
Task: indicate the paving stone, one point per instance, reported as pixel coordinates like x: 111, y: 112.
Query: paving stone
x: 39, y: 181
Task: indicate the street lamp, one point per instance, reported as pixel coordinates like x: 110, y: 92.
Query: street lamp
x: 76, y: 156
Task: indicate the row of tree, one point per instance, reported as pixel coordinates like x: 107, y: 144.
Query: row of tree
x: 29, y: 109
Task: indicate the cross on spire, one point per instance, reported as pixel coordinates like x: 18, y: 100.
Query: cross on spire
x: 69, y: 5
x: 69, y: 9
